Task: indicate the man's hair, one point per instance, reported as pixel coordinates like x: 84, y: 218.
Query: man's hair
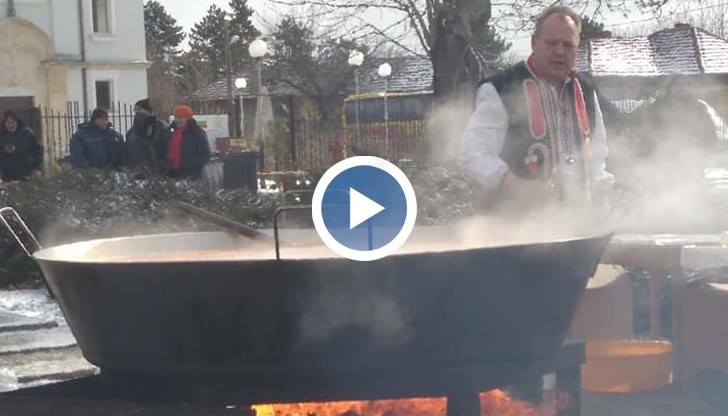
x: 561, y: 10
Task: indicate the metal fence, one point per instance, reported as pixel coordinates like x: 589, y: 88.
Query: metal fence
x: 56, y: 127
x: 314, y: 147
x: 310, y: 145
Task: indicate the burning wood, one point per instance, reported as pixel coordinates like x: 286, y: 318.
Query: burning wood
x: 413, y: 407
x: 499, y: 403
x: 492, y: 403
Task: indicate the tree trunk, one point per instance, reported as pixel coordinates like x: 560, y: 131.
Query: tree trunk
x: 456, y: 64
x: 162, y: 89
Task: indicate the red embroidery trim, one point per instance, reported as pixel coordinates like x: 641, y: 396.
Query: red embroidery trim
x: 538, y: 124
x: 584, y: 129
x: 581, y: 107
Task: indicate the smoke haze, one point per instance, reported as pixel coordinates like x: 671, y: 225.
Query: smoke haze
x: 667, y: 159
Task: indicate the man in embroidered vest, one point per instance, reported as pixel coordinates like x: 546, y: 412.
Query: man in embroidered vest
x: 537, y: 135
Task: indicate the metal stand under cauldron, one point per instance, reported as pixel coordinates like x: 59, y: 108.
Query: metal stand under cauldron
x: 121, y: 395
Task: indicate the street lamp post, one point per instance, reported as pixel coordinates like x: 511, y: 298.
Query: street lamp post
x: 356, y: 58
x: 257, y: 50
x: 384, y: 71
x: 229, y: 72
x: 241, y: 84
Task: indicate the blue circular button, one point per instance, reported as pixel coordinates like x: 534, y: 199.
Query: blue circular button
x: 364, y: 208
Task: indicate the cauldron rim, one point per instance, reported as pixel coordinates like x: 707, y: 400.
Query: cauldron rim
x: 55, y: 253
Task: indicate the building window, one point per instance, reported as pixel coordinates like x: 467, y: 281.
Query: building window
x: 103, y: 94
x: 101, y: 18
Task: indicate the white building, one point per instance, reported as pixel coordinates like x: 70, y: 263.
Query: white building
x: 53, y: 52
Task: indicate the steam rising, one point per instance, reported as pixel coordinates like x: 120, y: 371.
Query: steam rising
x: 346, y: 305
x: 670, y: 156
x: 669, y: 160
x: 445, y: 125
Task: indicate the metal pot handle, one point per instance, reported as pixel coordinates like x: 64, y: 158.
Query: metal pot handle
x: 14, y: 214
x: 276, y: 214
x: 283, y: 209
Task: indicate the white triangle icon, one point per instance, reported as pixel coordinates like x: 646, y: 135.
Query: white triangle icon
x: 361, y: 208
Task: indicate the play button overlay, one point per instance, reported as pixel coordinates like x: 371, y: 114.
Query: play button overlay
x: 364, y: 208
x: 361, y: 208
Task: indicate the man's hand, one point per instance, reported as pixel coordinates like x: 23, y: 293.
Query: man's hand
x: 528, y: 191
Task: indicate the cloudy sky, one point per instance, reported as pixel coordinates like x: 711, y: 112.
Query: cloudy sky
x: 188, y: 13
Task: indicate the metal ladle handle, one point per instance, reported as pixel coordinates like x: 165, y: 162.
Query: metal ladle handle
x: 14, y: 215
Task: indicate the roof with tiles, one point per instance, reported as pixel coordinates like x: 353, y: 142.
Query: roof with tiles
x: 683, y: 49
x: 714, y: 53
x: 409, y: 74
x: 218, y: 90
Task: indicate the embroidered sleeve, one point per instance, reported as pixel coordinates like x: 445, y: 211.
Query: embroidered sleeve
x: 482, y: 140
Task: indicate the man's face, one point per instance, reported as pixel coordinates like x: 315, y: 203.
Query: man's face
x: 180, y: 121
x: 139, y: 109
x: 554, y: 48
x: 101, y: 122
x: 11, y: 124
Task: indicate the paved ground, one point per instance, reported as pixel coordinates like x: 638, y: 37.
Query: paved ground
x: 37, y: 351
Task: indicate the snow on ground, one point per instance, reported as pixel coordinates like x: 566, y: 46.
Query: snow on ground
x: 34, y: 303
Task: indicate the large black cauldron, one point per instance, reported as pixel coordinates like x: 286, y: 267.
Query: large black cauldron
x: 320, y: 317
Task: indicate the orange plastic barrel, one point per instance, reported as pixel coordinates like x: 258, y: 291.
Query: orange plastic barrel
x: 626, y: 366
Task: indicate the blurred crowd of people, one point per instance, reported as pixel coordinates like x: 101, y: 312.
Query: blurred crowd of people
x: 151, y: 145
x: 180, y: 150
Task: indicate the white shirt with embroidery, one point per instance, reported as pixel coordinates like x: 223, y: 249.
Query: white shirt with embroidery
x: 482, y: 141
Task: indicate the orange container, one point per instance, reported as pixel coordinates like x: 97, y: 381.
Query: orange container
x: 626, y: 366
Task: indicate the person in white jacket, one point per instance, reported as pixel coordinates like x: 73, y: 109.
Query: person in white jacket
x: 537, y: 134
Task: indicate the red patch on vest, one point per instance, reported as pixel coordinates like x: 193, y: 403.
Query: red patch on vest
x: 537, y: 161
x: 536, y: 117
x: 581, y: 114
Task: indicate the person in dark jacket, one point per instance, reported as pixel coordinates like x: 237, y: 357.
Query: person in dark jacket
x: 672, y: 140
x: 188, y: 150
x: 677, y: 120
x: 96, y: 144
x: 22, y: 154
x: 146, y: 140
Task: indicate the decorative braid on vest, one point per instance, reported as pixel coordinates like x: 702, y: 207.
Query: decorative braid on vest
x: 528, y: 147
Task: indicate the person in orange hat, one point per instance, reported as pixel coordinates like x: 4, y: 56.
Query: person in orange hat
x: 188, y: 150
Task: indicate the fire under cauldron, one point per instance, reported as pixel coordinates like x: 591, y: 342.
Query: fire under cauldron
x: 173, y: 306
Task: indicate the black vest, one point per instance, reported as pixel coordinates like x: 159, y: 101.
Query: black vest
x: 519, y: 139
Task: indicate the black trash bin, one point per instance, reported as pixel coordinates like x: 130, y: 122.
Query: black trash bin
x: 240, y: 170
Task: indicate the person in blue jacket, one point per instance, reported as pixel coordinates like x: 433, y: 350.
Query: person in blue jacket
x: 96, y: 145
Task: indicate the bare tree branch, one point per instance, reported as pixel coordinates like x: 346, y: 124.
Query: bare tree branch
x: 415, y: 26
x: 419, y: 23
x: 384, y: 34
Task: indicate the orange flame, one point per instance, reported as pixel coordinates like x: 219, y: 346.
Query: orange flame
x: 492, y: 403
x: 499, y: 403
